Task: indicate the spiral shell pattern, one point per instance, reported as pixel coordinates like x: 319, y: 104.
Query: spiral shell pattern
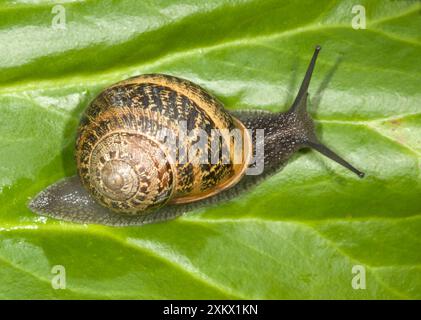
x: 120, y: 158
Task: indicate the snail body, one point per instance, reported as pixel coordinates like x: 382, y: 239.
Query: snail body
x: 129, y: 173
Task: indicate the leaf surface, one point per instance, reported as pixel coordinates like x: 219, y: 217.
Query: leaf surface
x: 296, y: 235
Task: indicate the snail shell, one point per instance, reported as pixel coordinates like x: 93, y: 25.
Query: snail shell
x: 125, y: 164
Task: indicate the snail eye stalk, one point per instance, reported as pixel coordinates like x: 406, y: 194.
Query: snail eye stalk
x: 300, y: 102
x: 299, y: 108
x: 333, y: 156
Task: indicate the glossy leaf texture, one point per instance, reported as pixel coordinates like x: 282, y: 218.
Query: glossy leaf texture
x: 300, y: 233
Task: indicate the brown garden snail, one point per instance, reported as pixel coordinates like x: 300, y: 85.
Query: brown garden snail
x: 128, y: 173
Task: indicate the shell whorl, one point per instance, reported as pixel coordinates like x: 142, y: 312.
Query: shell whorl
x: 130, y: 172
x: 121, y: 159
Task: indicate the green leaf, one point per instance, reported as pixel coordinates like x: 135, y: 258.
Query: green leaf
x: 296, y: 235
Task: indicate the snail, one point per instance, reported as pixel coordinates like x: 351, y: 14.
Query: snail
x: 128, y: 173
